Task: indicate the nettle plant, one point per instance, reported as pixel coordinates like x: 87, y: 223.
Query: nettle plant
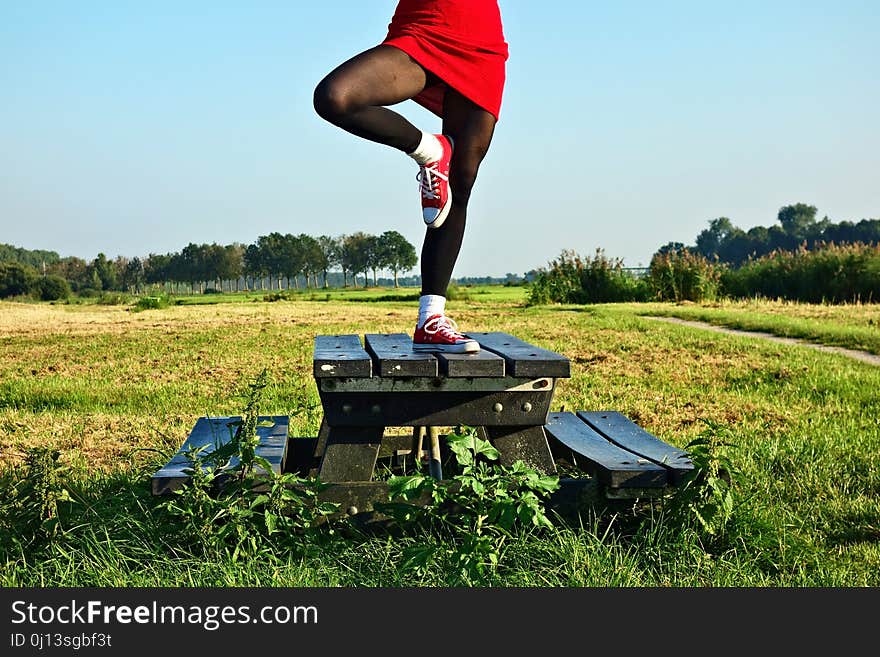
x: 707, y: 496
x: 479, y: 508
x: 233, y: 497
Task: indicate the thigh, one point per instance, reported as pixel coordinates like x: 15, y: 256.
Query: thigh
x: 382, y: 75
x: 469, y: 125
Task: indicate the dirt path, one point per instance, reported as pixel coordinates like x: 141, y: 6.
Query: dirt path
x: 862, y: 356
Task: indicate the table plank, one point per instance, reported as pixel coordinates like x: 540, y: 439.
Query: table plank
x: 214, y: 432
x: 522, y: 358
x: 622, y: 431
x: 610, y: 464
x: 475, y: 365
x: 393, y: 356
x: 340, y: 356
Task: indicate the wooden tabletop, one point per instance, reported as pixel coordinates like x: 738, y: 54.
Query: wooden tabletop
x: 392, y: 355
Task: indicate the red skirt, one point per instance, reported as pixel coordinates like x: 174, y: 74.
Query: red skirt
x: 461, y: 42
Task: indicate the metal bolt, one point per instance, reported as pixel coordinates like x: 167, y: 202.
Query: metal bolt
x: 346, y: 408
x: 527, y: 407
x: 376, y: 409
x: 498, y: 407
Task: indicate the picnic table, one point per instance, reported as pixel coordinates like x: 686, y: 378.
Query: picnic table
x: 371, y: 385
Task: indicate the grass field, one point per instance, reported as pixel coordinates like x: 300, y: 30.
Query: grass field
x: 854, y: 326
x: 117, y: 392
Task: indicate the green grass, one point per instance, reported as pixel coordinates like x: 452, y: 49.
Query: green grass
x: 853, y: 326
x: 117, y: 392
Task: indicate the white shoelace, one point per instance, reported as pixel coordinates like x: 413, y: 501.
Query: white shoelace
x: 444, y: 326
x: 428, y: 182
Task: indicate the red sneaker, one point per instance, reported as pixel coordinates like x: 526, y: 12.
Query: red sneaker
x: 439, y: 333
x: 434, y: 184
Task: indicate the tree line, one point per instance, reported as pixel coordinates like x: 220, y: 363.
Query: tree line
x: 274, y: 261
x: 797, y: 228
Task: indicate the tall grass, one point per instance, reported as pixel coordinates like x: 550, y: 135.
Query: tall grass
x: 832, y: 273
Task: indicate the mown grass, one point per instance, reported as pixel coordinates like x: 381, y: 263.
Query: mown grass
x: 853, y: 326
x: 117, y: 392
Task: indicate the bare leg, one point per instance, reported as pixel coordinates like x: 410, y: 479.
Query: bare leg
x: 471, y: 129
x: 354, y: 94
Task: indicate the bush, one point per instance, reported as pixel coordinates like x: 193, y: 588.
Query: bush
x: 573, y: 279
x: 152, y: 303
x: 680, y: 275
x: 52, y: 288
x: 16, y: 279
x: 828, y: 274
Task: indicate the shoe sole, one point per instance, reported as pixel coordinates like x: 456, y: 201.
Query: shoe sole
x: 465, y: 348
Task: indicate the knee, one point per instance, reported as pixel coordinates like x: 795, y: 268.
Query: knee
x: 462, y: 176
x: 331, y: 100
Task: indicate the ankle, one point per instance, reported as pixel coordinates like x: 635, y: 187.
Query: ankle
x: 429, y: 149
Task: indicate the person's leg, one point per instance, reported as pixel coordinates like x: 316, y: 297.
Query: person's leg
x: 471, y: 129
x: 354, y: 94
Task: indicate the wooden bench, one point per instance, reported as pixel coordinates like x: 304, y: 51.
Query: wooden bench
x: 371, y: 384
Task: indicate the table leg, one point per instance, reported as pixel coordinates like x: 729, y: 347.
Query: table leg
x: 350, y: 453
x: 527, y: 444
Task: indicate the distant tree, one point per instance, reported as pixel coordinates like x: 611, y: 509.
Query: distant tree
x: 73, y: 269
x: 52, y: 287
x: 798, y: 219
x: 133, y: 275
x: 193, y: 265
x: 253, y: 265
x: 330, y: 247
x: 16, y: 279
x: 39, y: 260
x: 232, y: 268
x: 157, y: 269
x: 395, y: 253
x: 105, y: 271
x: 313, y: 260
x: 356, y: 253
x: 710, y: 240
x: 671, y: 247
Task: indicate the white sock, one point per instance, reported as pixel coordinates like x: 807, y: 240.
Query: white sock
x: 429, y: 149
x: 430, y: 304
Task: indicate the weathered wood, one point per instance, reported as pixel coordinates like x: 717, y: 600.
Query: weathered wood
x: 480, y: 364
x: 340, y: 355
x: 434, y: 385
x: 393, y: 356
x: 350, y: 453
x: 406, y: 409
x: 522, y: 358
x: 611, y: 465
x: 625, y: 433
x: 211, y: 433
x: 526, y: 444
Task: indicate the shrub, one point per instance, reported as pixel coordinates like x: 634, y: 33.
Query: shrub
x: 88, y: 293
x: 830, y: 273
x: 52, y: 288
x: 573, y: 279
x: 681, y: 275
x: 152, y: 303
x: 16, y: 279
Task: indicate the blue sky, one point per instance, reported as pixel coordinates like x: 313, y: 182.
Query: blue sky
x: 131, y: 128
